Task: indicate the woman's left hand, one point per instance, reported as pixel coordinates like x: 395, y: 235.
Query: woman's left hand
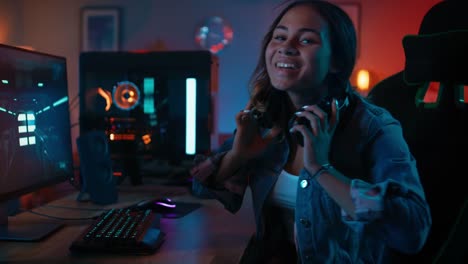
x: 318, y: 137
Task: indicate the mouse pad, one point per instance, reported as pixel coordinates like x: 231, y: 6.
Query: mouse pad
x: 182, y: 209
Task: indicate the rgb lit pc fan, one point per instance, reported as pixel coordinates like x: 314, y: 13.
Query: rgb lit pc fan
x: 126, y: 95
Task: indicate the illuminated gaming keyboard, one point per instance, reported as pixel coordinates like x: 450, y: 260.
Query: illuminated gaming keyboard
x: 124, y: 231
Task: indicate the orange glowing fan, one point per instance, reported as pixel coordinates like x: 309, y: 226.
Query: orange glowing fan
x: 126, y: 95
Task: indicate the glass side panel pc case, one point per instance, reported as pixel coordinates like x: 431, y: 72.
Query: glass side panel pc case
x: 152, y: 105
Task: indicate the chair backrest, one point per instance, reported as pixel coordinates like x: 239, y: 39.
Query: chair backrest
x: 454, y: 250
x: 435, y: 132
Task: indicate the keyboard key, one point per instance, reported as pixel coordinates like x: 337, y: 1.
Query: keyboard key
x: 122, y: 231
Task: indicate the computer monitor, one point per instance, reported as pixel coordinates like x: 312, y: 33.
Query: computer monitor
x: 153, y: 106
x: 35, y: 136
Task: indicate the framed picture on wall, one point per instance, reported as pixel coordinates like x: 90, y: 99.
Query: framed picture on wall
x: 100, y: 29
x: 353, y: 11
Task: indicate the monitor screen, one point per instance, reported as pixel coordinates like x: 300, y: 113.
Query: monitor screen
x: 153, y: 106
x: 35, y: 136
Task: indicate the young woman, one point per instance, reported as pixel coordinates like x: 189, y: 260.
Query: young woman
x: 330, y: 184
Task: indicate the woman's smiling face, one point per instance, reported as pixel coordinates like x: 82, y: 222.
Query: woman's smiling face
x: 298, y: 56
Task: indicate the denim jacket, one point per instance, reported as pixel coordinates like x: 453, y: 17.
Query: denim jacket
x: 391, y: 210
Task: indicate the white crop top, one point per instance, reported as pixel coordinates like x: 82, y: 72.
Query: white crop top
x: 284, y: 191
x: 283, y: 196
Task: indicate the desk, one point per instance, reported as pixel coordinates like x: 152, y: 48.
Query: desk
x: 210, y: 234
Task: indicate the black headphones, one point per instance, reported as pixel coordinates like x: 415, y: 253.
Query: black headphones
x: 325, y: 105
x: 264, y: 120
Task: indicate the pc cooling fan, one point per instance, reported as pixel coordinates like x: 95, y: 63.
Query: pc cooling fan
x: 126, y: 95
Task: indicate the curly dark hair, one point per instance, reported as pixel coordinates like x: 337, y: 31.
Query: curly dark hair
x: 343, y: 43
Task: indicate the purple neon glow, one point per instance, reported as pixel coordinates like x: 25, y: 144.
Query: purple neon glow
x: 166, y: 204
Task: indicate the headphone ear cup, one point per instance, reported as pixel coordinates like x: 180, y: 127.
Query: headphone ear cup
x: 325, y: 105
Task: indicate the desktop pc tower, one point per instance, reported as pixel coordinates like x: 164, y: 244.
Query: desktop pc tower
x: 153, y: 107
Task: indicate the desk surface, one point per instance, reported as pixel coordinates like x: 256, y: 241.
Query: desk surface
x: 210, y: 234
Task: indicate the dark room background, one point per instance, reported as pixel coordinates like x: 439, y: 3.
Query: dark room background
x: 53, y: 26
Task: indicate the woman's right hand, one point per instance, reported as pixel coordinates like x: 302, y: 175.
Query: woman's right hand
x: 249, y: 142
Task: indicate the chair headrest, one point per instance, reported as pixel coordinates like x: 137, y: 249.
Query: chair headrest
x: 438, y: 52
x: 448, y: 15
x: 441, y: 57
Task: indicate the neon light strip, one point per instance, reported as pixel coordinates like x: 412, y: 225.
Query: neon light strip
x: 3, y: 109
x: 60, y: 101
x: 148, y: 90
x: 190, y: 115
x: 107, y: 96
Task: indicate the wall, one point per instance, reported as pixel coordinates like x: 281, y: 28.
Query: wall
x: 384, y: 23
x: 53, y: 26
x: 11, y: 21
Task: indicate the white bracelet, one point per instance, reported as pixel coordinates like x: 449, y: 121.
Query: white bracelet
x: 323, y: 168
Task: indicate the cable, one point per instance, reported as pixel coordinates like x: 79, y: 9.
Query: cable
x: 74, y: 124
x: 71, y: 108
x: 75, y: 208
x: 74, y: 181
x: 61, y: 218
x: 74, y: 99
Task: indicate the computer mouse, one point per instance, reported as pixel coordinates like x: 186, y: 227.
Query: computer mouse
x: 161, y: 203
